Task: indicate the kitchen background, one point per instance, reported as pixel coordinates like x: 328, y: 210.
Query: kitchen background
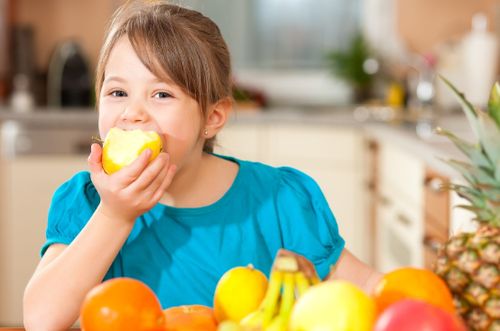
x: 343, y: 90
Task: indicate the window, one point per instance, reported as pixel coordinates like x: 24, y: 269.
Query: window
x: 282, y: 34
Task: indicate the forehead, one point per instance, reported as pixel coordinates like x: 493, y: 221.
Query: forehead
x: 124, y: 61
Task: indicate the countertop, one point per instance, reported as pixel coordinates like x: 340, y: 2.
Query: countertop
x: 431, y: 148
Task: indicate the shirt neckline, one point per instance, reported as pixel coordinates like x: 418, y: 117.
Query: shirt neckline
x: 176, y: 211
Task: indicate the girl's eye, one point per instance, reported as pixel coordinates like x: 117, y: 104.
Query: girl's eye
x: 162, y: 95
x: 118, y: 93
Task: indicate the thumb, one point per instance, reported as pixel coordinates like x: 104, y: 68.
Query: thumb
x: 94, y: 161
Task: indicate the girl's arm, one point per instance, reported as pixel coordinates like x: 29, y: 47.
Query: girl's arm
x: 65, y: 274
x: 350, y: 268
x: 54, y: 294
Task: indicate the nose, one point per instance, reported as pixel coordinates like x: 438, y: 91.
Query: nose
x: 135, y: 112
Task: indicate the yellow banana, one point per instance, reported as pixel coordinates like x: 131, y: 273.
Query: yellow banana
x: 253, y: 320
x: 288, y: 296
x: 272, y: 296
x: 229, y: 326
x: 286, y: 263
x: 301, y: 282
x: 315, y: 280
x: 279, y: 323
x: 286, y: 283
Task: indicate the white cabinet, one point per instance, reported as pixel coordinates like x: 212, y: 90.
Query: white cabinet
x: 244, y: 141
x: 399, y: 216
x: 26, y: 188
x: 331, y: 154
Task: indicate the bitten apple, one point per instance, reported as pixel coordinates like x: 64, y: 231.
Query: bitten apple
x: 122, y: 147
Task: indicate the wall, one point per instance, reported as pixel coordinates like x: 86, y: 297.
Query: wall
x: 56, y: 20
x: 423, y: 24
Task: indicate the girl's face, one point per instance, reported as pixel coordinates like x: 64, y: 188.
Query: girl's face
x: 132, y: 97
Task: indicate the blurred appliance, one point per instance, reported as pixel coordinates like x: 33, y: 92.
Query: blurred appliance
x: 23, y: 71
x: 480, y: 56
x: 36, y: 156
x: 69, y: 81
x: 4, y: 54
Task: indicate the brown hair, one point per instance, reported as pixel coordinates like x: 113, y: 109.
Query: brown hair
x: 176, y: 44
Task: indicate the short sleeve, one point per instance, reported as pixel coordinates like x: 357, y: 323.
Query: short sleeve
x: 308, y: 225
x: 73, y: 203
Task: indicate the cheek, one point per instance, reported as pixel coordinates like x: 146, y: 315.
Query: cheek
x: 181, y: 134
x: 105, y: 122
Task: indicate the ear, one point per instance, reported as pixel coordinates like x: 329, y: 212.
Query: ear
x: 217, y: 116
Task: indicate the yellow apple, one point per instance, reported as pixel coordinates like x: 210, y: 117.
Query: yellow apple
x: 333, y: 306
x: 122, y: 147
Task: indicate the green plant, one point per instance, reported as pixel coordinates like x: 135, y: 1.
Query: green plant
x: 349, y: 64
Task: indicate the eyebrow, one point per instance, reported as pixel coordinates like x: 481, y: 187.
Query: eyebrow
x: 123, y: 80
x: 114, y: 78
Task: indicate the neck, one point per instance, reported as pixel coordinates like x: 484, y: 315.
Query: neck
x: 201, y: 183
x: 184, y: 180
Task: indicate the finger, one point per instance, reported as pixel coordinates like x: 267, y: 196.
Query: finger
x: 166, y: 182
x: 307, y: 267
x: 152, y: 171
x: 153, y: 187
x: 132, y: 171
x: 94, y: 161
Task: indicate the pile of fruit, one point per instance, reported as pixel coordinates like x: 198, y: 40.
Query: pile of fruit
x: 405, y: 299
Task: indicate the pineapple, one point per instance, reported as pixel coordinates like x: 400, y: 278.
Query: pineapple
x: 470, y: 262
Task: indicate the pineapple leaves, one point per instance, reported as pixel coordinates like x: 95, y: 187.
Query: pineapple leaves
x: 489, y: 135
x: 473, y: 152
x: 474, y: 175
x: 467, y: 107
x: 475, y: 197
x: 484, y: 126
x: 497, y: 171
x: 494, y: 103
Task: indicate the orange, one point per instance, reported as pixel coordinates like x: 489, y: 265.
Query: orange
x: 123, y: 304
x: 238, y: 293
x: 122, y: 147
x: 190, y: 318
x: 412, y: 283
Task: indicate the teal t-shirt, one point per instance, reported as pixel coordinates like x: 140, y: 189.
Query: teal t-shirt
x: 181, y: 253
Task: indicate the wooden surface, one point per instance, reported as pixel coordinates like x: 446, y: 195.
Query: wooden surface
x: 436, y: 216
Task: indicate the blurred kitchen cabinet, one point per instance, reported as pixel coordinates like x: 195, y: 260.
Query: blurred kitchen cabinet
x: 399, y: 208
x: 371, y: 187
x: 332, y: 155
x: 26, y: 187
x: 437, y: 215
x: 244, y: 141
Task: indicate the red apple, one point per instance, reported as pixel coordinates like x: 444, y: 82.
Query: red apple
x: 414, y: 315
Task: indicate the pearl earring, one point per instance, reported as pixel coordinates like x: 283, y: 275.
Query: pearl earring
x: 205, y: 132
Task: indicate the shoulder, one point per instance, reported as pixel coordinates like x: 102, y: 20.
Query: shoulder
x: 72, y: 205
x: 299, y: 183
x: 284, y: 182
x: 76, y: 191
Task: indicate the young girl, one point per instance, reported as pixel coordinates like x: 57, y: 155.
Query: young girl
x: 179, y: 222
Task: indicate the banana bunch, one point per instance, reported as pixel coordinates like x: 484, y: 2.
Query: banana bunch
x: 286, y: 284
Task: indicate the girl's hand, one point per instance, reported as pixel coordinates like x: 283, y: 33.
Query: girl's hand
x: 134, y: 189
x: 306, y: 266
